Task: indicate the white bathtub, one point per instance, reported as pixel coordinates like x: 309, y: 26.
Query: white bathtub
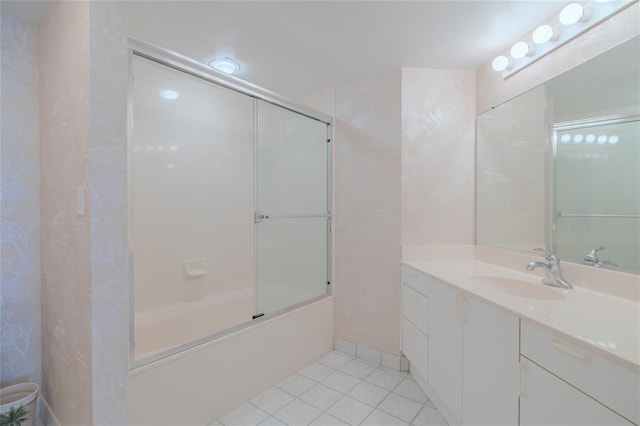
x: 170, y: 326
x: 197, y: 386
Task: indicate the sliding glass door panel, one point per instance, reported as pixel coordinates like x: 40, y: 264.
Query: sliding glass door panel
x: 292, y: 262
x: 292, y: 164
x: 292, y: 208
x: 192, y: 196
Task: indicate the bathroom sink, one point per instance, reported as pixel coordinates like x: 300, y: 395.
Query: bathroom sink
x: 518, y: 288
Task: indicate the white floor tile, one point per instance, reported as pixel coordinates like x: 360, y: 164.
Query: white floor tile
x: 335, y: 359
x: 357, y: 368
x: 369, y: 394
x: 400, y: 406
x: 341, y: 382
x: 300, y: 399
x: 272, y: 421
x: 327, y: 420
x: 316, y: 371
x: 320, y: 396
x: 410, y: 389
x: 272, y: 400
x: 350, y: 410
x: 380, y: 418
x: 246, y: 414
x: 429, y: 416
x: 296, y: 384
x: 298, y: 413
x: 385, y: 378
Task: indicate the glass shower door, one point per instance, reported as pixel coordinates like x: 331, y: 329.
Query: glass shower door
x: 292, y: 208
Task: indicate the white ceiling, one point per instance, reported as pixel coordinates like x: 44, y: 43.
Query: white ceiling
x: 292, y: 47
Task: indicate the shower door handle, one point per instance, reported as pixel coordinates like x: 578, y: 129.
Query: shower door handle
x: 259, y: 217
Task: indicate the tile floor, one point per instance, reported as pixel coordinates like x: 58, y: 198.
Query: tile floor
x: 339, y: 389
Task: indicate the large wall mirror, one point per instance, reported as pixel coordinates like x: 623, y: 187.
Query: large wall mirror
x: 558, y: 167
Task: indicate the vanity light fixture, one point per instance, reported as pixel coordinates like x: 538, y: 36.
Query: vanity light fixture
x: 544, y: 34
x: 573, y: 13
x: 574, y: 19
x: 501, y: 63
x: 225, y: 65
x: 590, y: 138
x: 521, y: 49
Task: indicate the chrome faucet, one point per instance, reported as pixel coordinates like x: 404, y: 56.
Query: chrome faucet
x: 552, y: 272
x: 592, y: 259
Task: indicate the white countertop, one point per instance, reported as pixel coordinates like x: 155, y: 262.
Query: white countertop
x: 609, y: 324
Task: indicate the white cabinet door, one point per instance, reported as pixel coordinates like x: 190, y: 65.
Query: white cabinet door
x: 490, y: 365
x: 415, y: 347
x: 445, y: 345
x: 548, y: 400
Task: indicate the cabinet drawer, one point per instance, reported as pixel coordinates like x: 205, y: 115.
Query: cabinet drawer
x: 547, y: 400
x: 414, y: 347
x: 415, y: 308
x: 418, y: 281
x: 612, y: 384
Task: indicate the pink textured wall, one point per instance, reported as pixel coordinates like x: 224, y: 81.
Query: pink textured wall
x: 438, y: 156
x: 84, y: 76
x: 66, y: 255
x: 494, y: 90
x: 404, y: 174
x: 20, y: 195
x: 367, y: 208
x: 107, y: 200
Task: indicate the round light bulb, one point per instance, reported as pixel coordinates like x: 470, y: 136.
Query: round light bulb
x: 613, y: 139
x: 520, y: 50
x: 571, y: 13
x: 602, y: 139
x: 565, y: 138
x: 501, y: 63
x: 543, y: 34
x: 590, y: 138
x: 578, y: 138
x: 226, y: 65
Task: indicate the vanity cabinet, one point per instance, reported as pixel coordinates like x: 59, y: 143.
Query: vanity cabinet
x: 472, y: 347
x: 563, y: 382
x: 486, y: 362
x: 490, y: 364
x: 415, y: 320
x: 445, y: 349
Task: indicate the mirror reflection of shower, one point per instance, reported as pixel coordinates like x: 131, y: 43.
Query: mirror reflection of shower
x: 597, y: 192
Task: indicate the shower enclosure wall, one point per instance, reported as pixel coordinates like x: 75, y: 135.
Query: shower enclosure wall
x: 229, y: 206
